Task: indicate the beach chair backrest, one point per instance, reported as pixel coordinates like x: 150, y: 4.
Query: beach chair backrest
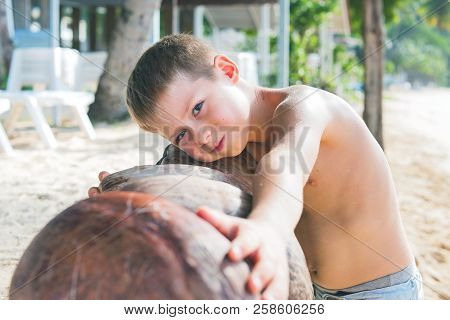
x: 43, y: 69
x: 90, y: 68
x: 67, y: 62
x: 31, y: 68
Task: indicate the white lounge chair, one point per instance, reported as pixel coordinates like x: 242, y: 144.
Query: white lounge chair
x: 18, y: 101
x: 55, y: 71
x: 90, y: 68
x: 4, y: 141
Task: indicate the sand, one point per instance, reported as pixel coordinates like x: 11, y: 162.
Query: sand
x: 37, y: 183
x: 417, y: 144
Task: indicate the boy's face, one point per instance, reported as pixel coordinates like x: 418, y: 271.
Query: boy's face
x: 208, y: 118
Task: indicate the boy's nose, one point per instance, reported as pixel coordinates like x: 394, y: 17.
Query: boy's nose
x: 204, y: 138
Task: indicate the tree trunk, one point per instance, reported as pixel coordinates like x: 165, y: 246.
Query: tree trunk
x: 129, y: 39
x: 6, y: 46
x: 127, y: 245
x: 373, y: 67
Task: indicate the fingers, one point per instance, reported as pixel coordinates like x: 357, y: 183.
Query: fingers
x: 278, y: 288
x: 263, y: 272
x: 244, y: 244
x: 270, y: 273
x: 219, y: 220
x: 102, y: 175
x: 93, y: 191
x: 238, y: 230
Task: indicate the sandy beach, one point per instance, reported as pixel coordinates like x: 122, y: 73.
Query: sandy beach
x: 417, y: 145
x: 38, y: 183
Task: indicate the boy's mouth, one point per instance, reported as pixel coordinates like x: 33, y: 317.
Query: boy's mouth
x: 220, y: 145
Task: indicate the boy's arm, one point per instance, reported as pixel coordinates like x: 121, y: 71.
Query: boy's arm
x: 277, y: 198
x: 285, y: 169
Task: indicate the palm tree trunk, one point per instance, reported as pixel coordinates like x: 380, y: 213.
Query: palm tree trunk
x: 373, y: 67
x: 6, y: 47
x: 129, y: 39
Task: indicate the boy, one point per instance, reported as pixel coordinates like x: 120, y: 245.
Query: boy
x: 324, y: 176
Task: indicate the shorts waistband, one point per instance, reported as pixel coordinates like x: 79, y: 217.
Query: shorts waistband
x: 382, y: 282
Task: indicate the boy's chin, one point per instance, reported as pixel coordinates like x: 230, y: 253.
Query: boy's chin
x: 213, y: 157
x: 217, y: 156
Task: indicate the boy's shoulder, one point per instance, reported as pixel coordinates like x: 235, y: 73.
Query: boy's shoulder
x: 320, y: 111
x: 303, y: 95
x: 304, y: 103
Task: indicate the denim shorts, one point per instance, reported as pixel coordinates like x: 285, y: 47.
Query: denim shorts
x: 405, y: 284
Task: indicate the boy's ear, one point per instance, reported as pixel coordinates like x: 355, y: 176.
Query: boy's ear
x: 227, y: 66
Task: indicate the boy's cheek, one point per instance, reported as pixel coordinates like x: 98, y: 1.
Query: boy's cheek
x: 189, y: 150
x: 198, y: 154
x: 206, y: 157
x: 193, y: 152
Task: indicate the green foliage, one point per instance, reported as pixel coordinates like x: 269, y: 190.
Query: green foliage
x: 390, y: 11
x: 422, y: 64
x: 422, y: 53
x: 250, y: 41
x: 347, y: 59
x: 305, y: 18
x: 306, y: 14
x: 441, y: 14
x: 207, y: 28
x: 419, y: 49
x: 3, y: 82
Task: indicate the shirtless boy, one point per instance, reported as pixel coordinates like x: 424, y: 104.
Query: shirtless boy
x: 324, y: 176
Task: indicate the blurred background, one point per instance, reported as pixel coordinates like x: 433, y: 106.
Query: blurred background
x: 64, y: 65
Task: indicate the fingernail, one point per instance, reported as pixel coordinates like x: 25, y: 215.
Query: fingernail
x: 201, y: 209
x: 256, y: 283
x: 236, y: 251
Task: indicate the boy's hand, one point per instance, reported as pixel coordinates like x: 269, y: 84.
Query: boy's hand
x: 94, y: 190
x: 261, y: 243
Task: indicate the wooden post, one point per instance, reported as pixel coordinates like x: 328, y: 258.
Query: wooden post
x: 92, y: 28
x: 110, y: 21
x: 6, y: 45
x: 76, y: 28
x: 373, y: 67
x: 167, y: 20
x: 186, y: 23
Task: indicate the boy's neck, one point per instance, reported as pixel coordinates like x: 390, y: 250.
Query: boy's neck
x: 263, y: 102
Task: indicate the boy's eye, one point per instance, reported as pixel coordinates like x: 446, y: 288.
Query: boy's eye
x: 197, y: 108
x: 180, y: 136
